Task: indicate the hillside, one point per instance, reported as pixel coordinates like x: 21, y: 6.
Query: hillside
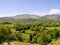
x: 24, y: 18
x: 21, y: 43
x: 28, y: 18
x: 56, y: 42
x: 52, y: 16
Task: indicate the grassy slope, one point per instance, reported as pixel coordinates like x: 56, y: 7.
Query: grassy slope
x: 56, y: 42
x: 19, y: 43
x: 28, y: 32
x: 22, y: 43
x: 26, y: 35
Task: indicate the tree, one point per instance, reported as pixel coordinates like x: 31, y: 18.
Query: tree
x: 4, y: 33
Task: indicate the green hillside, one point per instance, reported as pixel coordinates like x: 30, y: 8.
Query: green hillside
x: 30, y: 31
x: 55, y: 42
x: 28, y: 18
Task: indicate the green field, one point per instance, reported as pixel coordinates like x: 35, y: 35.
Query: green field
x: 55, y: 42
x: 19, y: 34
x: 22, y: 43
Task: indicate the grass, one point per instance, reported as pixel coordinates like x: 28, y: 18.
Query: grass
x: 52, y: 28
x: 26, y: 35
x: 29, y: 31
x: 19, y: 43
x: 23, y: 43
x: 55, y: 42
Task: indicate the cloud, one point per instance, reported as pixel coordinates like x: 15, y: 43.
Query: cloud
x: 12, y: 14
x: 50, y: 12
x: 54, y: 11
x: 6, y: 15
x: 39, y: 13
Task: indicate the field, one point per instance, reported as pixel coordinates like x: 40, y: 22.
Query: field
x: 56, y: 42
x: 19, y: 34
x: 22, y: 43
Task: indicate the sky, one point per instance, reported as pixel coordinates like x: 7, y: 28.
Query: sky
x: 37, y: 7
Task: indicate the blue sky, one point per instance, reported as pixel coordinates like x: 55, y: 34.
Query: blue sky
x: 39, y: 7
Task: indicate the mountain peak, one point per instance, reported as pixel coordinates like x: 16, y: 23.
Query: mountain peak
x: 26, y: 16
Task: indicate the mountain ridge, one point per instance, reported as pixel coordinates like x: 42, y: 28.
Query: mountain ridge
x: 29, y: 18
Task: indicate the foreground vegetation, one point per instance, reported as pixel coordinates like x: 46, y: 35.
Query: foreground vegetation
x: 55, y: 42
x: 45, y: 33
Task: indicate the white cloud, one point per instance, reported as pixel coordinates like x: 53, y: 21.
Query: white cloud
x: 54, y: 11
x: 50, y: 12
x: 39, y: 13
x: 8, y: 15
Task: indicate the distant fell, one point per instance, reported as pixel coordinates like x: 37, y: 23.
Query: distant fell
x: 29, y: 18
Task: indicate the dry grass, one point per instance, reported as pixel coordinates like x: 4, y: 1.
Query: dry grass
x: 22, y: 43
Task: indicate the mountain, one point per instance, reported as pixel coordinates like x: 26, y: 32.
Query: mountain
x: 26, y: 16
x: 49, y: 19
x: 23, y: 18
x: 29, y: 18
x: 52, y: 16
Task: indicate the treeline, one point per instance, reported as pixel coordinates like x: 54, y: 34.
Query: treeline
x: 6, y: 34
